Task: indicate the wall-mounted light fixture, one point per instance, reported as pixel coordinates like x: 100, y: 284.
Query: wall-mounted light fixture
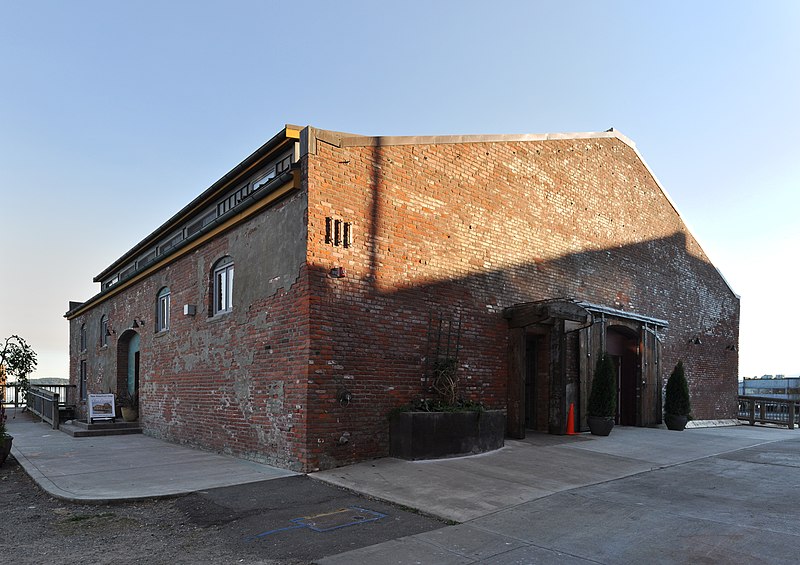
x: 137, y: 322
x: 695, y: 341
x: 189, y: 309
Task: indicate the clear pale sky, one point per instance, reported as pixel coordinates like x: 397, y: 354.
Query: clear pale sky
x: 114, y: 115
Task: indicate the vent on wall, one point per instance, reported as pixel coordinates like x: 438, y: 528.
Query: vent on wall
x: 338, y: 232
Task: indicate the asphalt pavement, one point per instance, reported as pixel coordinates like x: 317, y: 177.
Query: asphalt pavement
x: 705, y: 495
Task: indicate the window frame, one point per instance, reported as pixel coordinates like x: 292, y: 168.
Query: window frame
x: 222, y: 286
x: 163, y: 304
x: 104, y: 331
x: 83, y: 380
x: 83, y: 339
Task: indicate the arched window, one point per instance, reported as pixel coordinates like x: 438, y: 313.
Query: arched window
x: 222, y: 297
x: 162, y: 310
x: 104, y: 333
x: 83, y: 337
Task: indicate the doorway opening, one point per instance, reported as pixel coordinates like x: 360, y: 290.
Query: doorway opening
x: 537, y: 383
x: 128, y: 363
x: 622, y: 345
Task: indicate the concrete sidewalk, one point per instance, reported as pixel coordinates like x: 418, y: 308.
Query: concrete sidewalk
x: 712, y: 495
x: 125, y: 467
x: 465, y: 488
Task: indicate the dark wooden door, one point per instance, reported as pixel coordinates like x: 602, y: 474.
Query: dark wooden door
x: 531, y: 366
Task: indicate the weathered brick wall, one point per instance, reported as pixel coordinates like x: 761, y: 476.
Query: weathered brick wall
x: 464, y: 230
x: 234, y: 382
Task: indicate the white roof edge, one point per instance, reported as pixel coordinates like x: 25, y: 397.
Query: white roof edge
x: 364, y: 140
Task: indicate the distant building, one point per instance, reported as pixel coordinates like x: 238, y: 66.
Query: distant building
x: 361, y: 262
x: 769, y: 386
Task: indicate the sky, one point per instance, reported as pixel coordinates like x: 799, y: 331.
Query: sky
x: 114, y: 115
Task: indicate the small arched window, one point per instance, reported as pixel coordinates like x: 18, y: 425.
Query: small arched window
x: 222, y: 296
x: 104, y: 332
x: 83, y: 337
x: 162, y: 310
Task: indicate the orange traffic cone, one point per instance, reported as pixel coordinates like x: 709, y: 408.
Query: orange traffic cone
x: 571, y: 420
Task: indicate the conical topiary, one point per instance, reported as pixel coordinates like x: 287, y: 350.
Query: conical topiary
x: 676, y: 402
x: 603, y: 398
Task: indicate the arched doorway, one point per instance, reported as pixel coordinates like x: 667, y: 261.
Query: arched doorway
x: 128, y: 363
x: 622, y: 344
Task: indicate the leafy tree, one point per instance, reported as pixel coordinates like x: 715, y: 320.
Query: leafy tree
x: 603, y: 398
x: 19, y: 360
x: 677, y: 401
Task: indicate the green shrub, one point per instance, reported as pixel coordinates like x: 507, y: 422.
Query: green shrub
x: 603, y: 398
x: 677, y: 401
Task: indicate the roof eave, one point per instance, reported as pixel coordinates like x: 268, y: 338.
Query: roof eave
x: 289, y: 132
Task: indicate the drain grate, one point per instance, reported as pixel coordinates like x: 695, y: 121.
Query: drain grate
x: 328, y: 521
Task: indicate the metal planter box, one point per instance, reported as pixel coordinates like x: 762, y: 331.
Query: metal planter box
x: 431, y: 435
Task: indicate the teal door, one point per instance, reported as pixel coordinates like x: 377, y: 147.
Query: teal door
x: 133, y: 364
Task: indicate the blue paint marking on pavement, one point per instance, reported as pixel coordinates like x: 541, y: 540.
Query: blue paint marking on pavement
x: 327, y: 522
x: 362, y: 517
x: 270, y: 532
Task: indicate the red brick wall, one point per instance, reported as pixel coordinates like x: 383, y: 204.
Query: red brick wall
x: 464, y: 230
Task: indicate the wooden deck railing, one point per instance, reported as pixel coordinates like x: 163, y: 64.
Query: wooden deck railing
x: 13, y: 394
x: 765, y: 410
x: 44, y: 403
x: 42, y: 400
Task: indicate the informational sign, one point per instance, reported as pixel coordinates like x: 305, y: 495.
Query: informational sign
x: 101, y: 407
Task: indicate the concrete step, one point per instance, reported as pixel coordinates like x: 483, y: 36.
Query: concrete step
x: 81, y: 428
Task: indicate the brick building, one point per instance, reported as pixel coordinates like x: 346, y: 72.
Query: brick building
x: 360, y: 261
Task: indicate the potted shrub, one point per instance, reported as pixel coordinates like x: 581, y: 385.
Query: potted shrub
x: 602, y: 406
x: 5, y: 439
x: 677, y: 406
x: 129, y: 406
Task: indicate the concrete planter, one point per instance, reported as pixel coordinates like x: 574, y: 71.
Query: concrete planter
x: 675, y: 423
x: 600, y: 426
x: 431, y: 435
x: 5, y: 447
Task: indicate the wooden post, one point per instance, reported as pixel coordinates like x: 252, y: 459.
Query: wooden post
x: 515, y: 423
x: 558, y: 379
x: 55, y: 411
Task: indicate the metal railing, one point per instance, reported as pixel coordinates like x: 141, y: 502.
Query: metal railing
x: 766, y: 410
